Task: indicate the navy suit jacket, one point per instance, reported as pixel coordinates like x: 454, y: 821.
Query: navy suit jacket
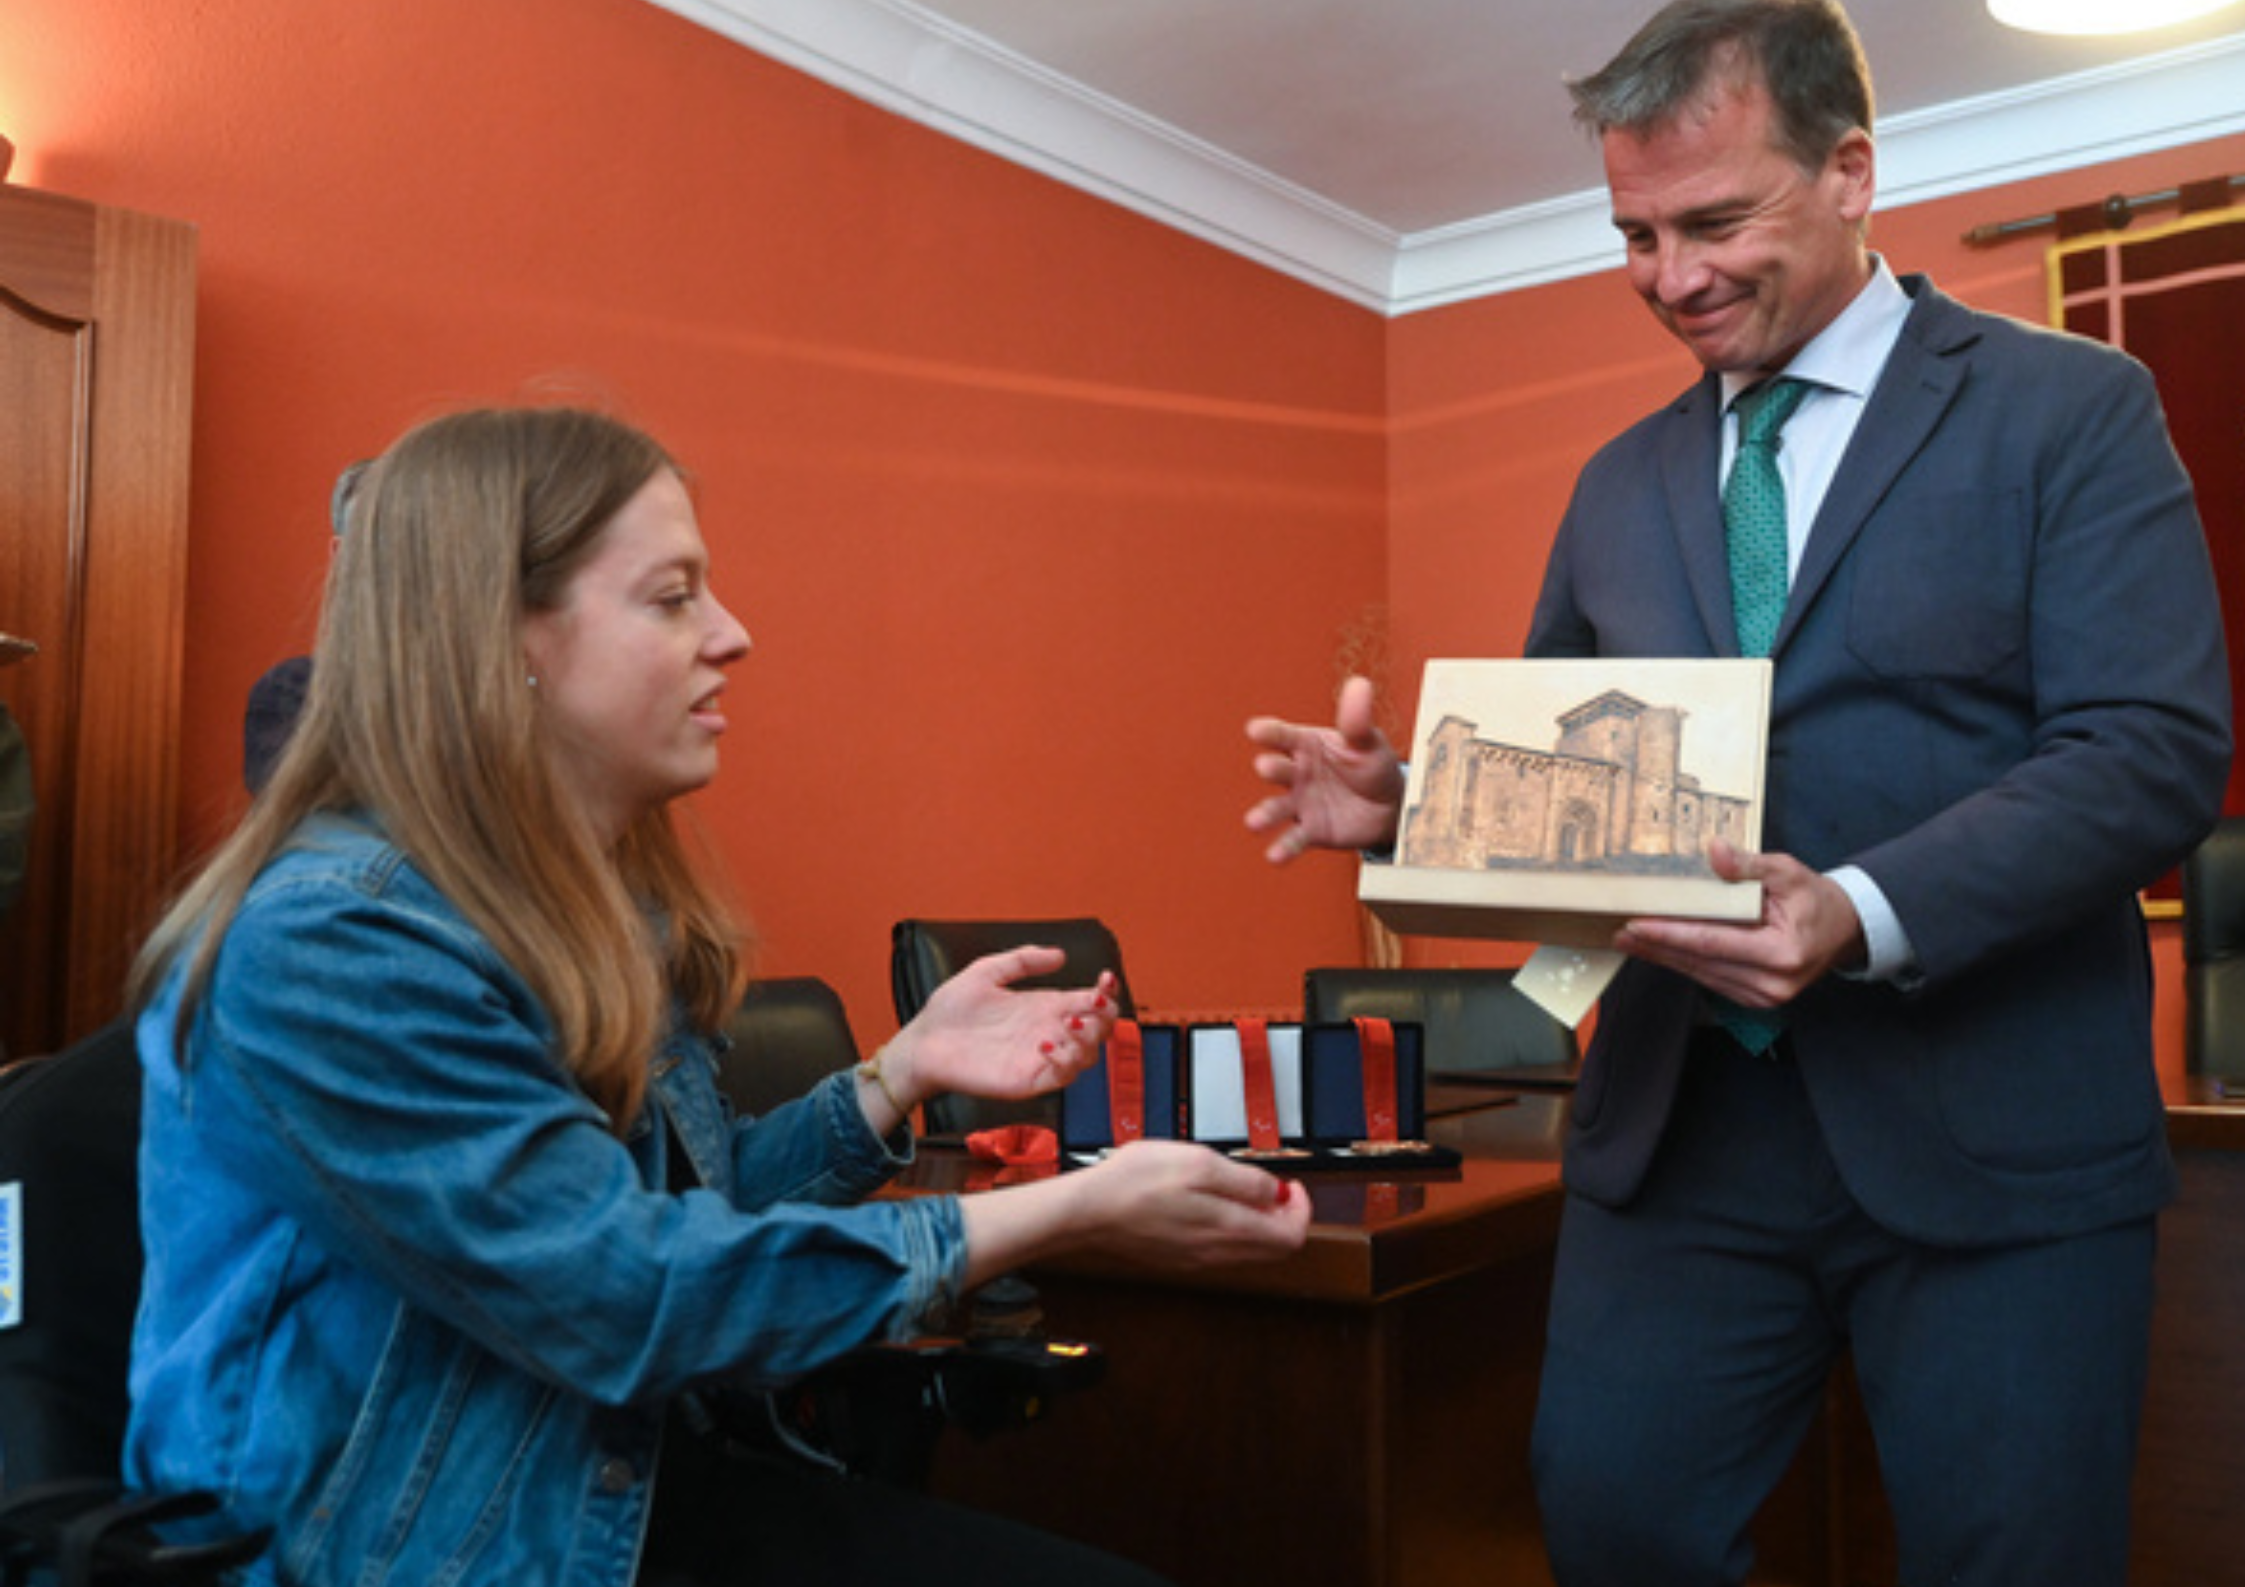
x: 2000, y: 689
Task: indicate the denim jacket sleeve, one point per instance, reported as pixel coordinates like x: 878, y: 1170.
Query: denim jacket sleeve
x: 365, y: 1061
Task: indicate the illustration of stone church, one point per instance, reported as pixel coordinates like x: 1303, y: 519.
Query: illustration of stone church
x: 1611, y: 795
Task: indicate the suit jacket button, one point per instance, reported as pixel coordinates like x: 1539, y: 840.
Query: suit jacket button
x: 616, y: 1475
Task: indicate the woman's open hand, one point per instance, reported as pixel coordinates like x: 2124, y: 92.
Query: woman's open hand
x: 980, y: 1036
x: 1167, y: 1204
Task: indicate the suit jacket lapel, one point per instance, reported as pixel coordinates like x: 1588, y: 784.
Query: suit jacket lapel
x: 1921, y: 379
x: 1690, y: 448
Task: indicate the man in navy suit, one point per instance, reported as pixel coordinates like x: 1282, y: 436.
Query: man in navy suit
x: 2000, y: 707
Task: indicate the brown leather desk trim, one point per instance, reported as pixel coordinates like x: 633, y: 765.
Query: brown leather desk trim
x: 2198, y: 1115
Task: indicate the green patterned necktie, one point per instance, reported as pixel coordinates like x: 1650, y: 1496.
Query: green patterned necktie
x: 1754, y: 514
x: 1754, y: 528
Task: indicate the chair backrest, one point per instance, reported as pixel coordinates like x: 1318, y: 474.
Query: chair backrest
x: 923, y: 954
x: 69, y: 1144
x: 1479, y: 1026
x: 2214, y: 952
x: 789, y: 1033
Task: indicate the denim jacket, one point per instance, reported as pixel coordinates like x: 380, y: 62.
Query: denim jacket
x: 411, y: 1300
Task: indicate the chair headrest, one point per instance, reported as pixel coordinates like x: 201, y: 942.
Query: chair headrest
x: 2214, y: 895
x: 926, y: 953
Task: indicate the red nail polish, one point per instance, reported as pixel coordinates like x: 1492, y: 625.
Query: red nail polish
x: 1075, y: 1022
x: 1045, y: 1047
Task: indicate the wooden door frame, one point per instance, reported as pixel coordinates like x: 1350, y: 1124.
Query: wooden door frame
x: 106, y: 763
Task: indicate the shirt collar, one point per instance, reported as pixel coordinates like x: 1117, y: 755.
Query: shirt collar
x: 1847, y: 355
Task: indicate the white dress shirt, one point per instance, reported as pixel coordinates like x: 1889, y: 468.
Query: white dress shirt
x: 1841, y: 365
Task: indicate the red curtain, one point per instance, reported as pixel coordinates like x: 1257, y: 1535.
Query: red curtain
x: 2174, y: 296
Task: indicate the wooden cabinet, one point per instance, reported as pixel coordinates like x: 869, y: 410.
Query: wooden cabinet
x: 97, y: 313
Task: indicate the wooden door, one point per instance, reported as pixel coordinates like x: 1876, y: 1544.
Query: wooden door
x: 96, y: 364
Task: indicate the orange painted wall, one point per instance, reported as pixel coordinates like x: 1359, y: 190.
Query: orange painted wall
x: 1497, y: 403
x: 1028, y: 501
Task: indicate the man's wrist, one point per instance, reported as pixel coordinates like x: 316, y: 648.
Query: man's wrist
x: 1887, y: 953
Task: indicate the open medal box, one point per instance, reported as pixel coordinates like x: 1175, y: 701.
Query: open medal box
x: 1292, y: 1096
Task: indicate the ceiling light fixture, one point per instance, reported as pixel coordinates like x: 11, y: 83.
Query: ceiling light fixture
x: 2099, y: 16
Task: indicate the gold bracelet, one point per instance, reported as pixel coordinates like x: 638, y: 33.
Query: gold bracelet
x: 870, y: 1069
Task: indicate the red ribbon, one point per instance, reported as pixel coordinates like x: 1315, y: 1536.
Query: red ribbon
x: 1375, y: 1040
x: 1126, y: 1082
x: 1261, y: 1086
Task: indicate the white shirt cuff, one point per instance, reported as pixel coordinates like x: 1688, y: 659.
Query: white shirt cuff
x: 1888, y: 954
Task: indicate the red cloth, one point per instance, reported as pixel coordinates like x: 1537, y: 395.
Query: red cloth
x: 1015, y: 1143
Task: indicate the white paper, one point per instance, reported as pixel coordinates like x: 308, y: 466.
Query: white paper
x: 1565, y: 982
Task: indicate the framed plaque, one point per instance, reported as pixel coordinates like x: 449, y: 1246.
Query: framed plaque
x: 1549, y: 801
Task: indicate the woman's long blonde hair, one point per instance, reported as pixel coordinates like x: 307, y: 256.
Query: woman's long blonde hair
x: 421, y: 714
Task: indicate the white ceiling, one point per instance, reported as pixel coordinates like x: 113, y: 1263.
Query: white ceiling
x: 1407, y: 153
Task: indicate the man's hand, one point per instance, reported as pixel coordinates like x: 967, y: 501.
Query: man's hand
x: 1340, y: 787
x: 1808, y: 927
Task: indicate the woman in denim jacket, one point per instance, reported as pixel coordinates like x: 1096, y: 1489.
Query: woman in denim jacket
x: 429, y: 1056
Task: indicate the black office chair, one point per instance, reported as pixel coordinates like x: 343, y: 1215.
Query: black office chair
x: 789, y: 1033
x: 2214, y: 953
x: 923, y: 954
x: 1480, y: 1028
x: 69, y: 1139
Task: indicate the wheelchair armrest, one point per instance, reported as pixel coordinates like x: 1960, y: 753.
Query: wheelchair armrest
x: 31, y: 1520
x: 117, y: 1542
x: 92, y: 1530
x: 879, y: 1410
x: 987, y: 1384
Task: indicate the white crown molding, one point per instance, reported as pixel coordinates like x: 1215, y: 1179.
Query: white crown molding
x: 2085, y: 118
x: 894, y: 55
x: 2138, y: 107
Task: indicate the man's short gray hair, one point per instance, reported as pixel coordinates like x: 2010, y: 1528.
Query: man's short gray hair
x: 1803, y: 52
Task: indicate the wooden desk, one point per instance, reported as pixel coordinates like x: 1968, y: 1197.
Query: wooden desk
x: 1357, y: 1413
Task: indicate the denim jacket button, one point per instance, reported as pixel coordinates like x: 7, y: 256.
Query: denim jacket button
x: 616, y: 1475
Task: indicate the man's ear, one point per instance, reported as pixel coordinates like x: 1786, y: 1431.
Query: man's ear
x: 1853, y: 170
